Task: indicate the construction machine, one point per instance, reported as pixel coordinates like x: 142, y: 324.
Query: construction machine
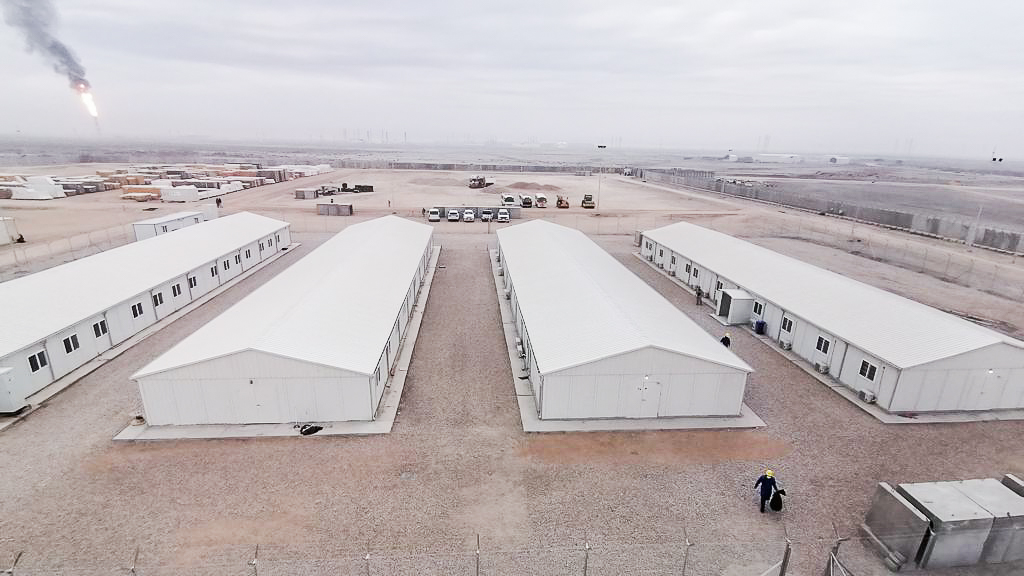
x: 588, y: 201
x: 562, y: 202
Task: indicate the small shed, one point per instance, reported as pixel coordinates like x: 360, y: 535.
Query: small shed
x: 307, y: 193
x: 735, y: 306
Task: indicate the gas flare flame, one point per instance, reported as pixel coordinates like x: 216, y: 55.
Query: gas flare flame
x: 90, y: 104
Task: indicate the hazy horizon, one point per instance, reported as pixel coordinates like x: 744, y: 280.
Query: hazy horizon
x: 921, y: 79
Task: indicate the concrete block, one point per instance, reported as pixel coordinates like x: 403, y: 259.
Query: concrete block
x: 1006, y: 540
x: 959, y: 527
x: 895, y: 524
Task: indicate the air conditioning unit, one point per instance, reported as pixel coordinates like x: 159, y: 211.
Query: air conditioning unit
x: 661, y: 265
x: 671, y: 272
x: 786, y: 345
x: 501, y: 271
x: 650, y: 257
x: 508, y: 293
x: 822, y: 368
x: 866, y: 396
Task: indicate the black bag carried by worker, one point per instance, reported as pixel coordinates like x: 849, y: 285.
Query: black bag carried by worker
x: 776, y: 502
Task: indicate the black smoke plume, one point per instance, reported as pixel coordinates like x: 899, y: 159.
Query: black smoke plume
x: 36, y: 18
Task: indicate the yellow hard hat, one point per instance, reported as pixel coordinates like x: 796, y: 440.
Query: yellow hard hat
x: 769, y: 473
x: 726, y: 333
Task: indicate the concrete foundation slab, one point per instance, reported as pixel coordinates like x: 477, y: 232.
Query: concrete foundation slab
x: 382, y: 424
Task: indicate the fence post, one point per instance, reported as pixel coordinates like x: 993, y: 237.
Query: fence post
x: 477, y: 555
x: 255, y: 562
x: 785, y: 558
x: 586, y: 557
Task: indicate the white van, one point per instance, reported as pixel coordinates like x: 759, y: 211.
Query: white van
x: 502, y: 215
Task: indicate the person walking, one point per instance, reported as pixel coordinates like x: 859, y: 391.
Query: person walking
x: 726, y: 341
x: 768, y: 487
x: 700, y: 296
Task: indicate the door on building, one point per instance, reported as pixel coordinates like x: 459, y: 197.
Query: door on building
x: 650, y: 399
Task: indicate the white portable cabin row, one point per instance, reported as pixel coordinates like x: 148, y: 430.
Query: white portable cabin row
x: 904, y: 355
x: 166, y: 223
x: 598, y: 342
x: 56, y: 320
x: 317, y: 343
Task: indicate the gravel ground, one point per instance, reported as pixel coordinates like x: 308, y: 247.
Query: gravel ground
x: 458, y: 465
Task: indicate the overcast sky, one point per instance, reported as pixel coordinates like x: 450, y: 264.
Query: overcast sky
x: 813, y: 76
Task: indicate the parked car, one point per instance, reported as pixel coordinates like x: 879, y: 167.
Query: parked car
x: 508, y: 200
x: 434, y: 215
x: 541, y: 200
x: 526, y: 201
x: 502, y: 215
x: 468, y: 215
x: 486, y: 215
x: 454, y: 216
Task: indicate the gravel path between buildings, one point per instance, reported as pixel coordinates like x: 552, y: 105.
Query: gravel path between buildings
x: 458, y: 464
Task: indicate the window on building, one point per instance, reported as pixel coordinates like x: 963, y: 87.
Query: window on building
x: 688, y: 268
x: 270, y: 241
x: 758, y: 308
x: 37, y: 361
x: 227, y: 264
x: 99, y: 328
x: 164, y: 228
x: 248, y: 254
x: 261, y: 246
x: 867, y: 370
x: 175, y: 290
x: 238, y: 259
x: 822, y: 345
x: 213, y: 271
x: 158, y: 299
x: 660, y: 252
x: 197, y: 220
x: 71, y: 343
x: 136, y: 310
x: 718, y: 285
x: 673, y: 259
x: 696, y: 272
x: 278, y: 236
x: 192, y: 282
x: 787, y: 325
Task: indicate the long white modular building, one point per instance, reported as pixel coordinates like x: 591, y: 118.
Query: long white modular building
x: 167, y: 223
x: 904, y: 355
x: 598, y: 342
x: 317, y: 343
x: 54, y: 321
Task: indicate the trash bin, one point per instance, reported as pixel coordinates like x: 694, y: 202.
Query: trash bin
x: 759, y: 327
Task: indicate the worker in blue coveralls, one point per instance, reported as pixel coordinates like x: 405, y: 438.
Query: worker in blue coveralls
x: 768, y: 487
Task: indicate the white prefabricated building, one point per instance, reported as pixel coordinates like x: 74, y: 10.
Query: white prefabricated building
x: 904, y: 355
x: 317, y: 343
x: 56, y: 320
x: 166, y: 223
x: 599, y: 342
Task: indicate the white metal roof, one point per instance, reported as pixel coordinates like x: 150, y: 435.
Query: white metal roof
x: 39, y: 305
x: 335, y: 307
x: 580, y: 304
x: 898, y: 330
x: 169, y: 217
